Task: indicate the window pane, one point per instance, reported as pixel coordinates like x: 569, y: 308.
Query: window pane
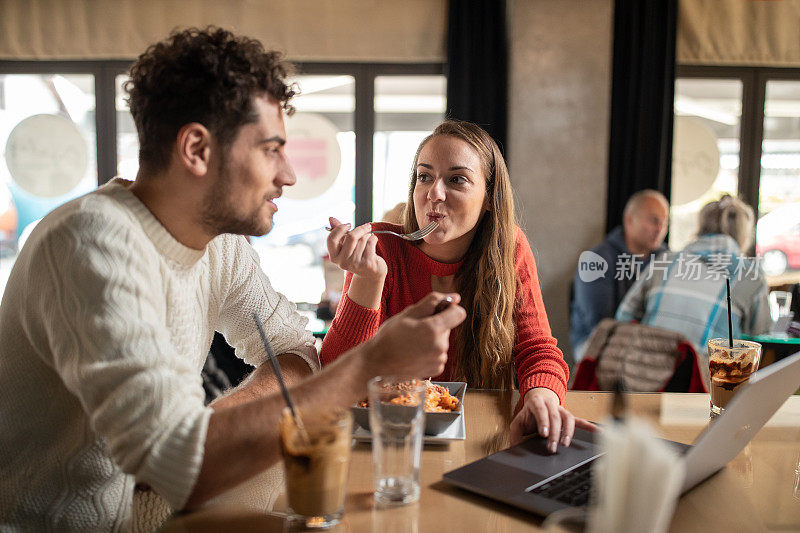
x: 778, y: 234
x: 47, y: 137
x: 321, y: 148
x: 705, y: 152
x: 407, y: 108
x: 127, y: 141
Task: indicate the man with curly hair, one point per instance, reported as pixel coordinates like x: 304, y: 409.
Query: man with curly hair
x: 112, y: 304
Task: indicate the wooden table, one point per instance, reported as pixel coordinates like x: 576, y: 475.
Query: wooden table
x: 758, y: 491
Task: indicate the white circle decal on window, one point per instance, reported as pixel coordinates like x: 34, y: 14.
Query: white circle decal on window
x: 695, y: 160
x: 313, y: 152
x: 46, y: 155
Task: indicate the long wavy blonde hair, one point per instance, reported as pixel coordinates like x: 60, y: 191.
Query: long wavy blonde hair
x: 486, y: 280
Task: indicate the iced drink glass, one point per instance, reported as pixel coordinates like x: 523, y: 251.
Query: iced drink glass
x: 729, y: 369
x: 316, y: 466
x: 397, y: 421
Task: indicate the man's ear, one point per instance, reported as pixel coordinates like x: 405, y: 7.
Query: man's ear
x: 627, y: 219
x: 194, y: 148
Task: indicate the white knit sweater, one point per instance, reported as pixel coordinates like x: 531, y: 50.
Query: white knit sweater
x: 104, y: 326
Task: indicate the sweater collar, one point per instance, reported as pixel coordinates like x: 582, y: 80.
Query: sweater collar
x: 713, y: 243
x: 717, y: 248
x: 616, y: 238
x: 164, y: 242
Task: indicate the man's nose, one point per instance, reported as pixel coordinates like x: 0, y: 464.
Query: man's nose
x: 285, y: 175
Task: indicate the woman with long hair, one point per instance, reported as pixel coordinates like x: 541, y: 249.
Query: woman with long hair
x: 460, y: 180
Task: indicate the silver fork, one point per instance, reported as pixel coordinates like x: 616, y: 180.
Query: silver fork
x: 413, y: 236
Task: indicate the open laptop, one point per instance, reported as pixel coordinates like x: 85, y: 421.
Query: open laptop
x: 529, y: 477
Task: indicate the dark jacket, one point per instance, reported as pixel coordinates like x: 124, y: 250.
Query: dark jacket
x: 599, y: 299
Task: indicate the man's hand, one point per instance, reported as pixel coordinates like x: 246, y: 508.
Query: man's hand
x: 411, y: 344
x: 414, y: 343
x: 542, y: 413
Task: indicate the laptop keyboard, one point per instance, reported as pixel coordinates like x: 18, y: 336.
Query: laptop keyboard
x: 572, y: 488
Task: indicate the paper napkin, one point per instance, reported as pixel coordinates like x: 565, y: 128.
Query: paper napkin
x: 638, y: 480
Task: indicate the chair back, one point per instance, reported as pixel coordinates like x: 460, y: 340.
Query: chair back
x: 641, y: 358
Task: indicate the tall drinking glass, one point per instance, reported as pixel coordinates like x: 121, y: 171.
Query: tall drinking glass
x: 316, y: 465
x: 397, y: 422
x: 729, y: 369
x: 780, y: 303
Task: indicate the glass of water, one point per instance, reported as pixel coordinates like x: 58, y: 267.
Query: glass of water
x: 397, y: 422
x: 780, y: 302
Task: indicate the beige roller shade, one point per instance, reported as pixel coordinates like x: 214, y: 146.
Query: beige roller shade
x: 739, y: 32
x: 322, y: 30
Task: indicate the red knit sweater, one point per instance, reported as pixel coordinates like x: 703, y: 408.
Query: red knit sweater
x: 538, y: 360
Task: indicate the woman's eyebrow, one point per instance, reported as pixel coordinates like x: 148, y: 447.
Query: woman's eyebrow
x: 451, y: 168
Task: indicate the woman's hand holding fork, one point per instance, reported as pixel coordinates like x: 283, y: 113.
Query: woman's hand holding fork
x: 354, y: 251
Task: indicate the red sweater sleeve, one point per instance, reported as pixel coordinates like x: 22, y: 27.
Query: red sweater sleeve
x: 538, y: 360
x: 353, y: 324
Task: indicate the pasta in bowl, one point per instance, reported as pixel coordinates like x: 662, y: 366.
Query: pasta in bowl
x: 443, y: 406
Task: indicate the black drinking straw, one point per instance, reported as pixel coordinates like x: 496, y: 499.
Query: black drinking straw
x: 730, y: 324
x: 276, y: 367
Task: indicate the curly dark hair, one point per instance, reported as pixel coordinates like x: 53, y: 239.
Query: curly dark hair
x: 209, y: 76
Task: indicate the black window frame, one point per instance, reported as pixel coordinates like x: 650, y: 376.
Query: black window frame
x: 751, y: 131
x: 364, y: 75
x: 106, y: 71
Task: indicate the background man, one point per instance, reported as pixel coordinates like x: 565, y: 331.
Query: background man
x: 111, y: 307
x: 644, y: 226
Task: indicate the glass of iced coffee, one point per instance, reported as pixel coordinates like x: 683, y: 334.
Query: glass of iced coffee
x: 730, y: 367
x: 316, y: 463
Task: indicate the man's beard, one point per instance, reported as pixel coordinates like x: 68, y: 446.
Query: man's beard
x: 219, y: 216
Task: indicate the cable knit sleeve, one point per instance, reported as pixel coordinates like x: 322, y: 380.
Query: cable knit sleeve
x: 353, y: 323
x: 101, y: 317
x: 248, y: 289
x: 538, y: 360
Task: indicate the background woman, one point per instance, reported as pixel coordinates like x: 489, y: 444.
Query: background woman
x: 460, y: 180
x: 687, y: 294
